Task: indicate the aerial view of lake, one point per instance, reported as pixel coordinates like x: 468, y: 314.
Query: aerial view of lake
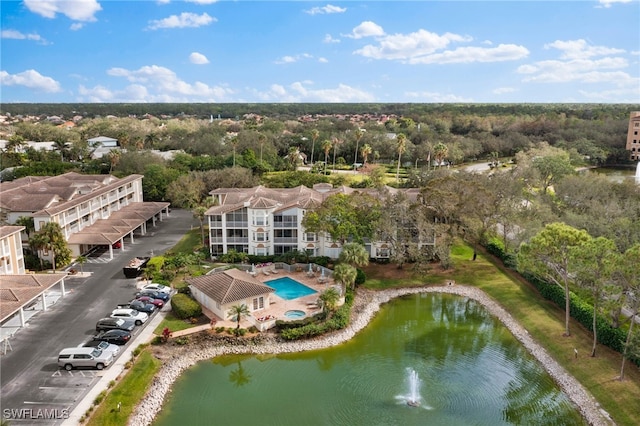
x: 429, y: 359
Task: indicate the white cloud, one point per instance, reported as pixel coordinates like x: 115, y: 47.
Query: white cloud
x: 17, y: 35
x: 323, y: 60
x: 202, y: 1
x: 184, y: 20
x: 31, y: 79
x: 198, y: 58
x: 409, y: 46
x: 579, y: 49
x: 299, y: 92
x: 578, y: 63
x: 608, y: 3
x: 326, y: 10
x: 366, y: 29
x: 77, y: 10
x: 76, y: 26
x: 466, y: 55
x: 437, y: 97
x: 163, y: 85
x: 329, y: 39
x: 288, y: 59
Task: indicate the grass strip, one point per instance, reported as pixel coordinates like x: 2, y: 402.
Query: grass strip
x: 128, y: 392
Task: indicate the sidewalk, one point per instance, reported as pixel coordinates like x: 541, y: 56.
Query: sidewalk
x: 116, y: 368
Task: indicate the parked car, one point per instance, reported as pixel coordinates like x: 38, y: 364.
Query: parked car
x: 158, y: 303
x: 115, y: 324
x: 157, y: 287
x: 138, y: 305
x: 155, y: 294
x: 70, y: 358
x: 104, y: 346
x: 117, y: 337
x: 131, y: 314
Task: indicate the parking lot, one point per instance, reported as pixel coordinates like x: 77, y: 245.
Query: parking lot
x: 34, y: 389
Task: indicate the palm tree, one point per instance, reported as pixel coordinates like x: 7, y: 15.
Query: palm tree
x: 238, y: 311
x: 52, y: 237
x: 328, y: 300
x: 440, y: 151
x: 336, y: 141
x: 365, y: 151
x: 234, y: 145
x: 359, y: 135
x: 261, y: 140
x: 81, y: 260
x: 346, y: 275
x: 199, y: 213
x: 354, y: 254
x: 38, y: 242
x: 326, y: 147
x: 114, y: 158
x: 401, y: 146
x: 293, y: 156
x: 150, y: 140
x: 315, y: 134
x: 28, y: 224
x: 60, y: 145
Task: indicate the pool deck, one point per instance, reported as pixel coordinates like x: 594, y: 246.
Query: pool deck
x: 278, y: 305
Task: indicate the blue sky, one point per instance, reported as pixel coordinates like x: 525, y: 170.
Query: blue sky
x: 305, y: 51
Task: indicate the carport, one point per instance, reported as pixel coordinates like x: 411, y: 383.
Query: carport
x: 118, y: 226
x: 19, y: 296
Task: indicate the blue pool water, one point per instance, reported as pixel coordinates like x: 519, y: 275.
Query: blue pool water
x: 289, y: 289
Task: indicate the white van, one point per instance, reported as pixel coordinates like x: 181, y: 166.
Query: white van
x: 84, y: 357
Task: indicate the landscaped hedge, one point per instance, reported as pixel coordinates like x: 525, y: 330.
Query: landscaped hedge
x: 185, y: 307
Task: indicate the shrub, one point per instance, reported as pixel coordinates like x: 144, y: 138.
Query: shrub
x: 360, y: 277
x: 184, y: 307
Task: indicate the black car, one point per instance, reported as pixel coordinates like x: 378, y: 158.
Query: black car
x: 155, y: 294
x: 117, y: 337
x: 138, y: 305
x: 115, y: 324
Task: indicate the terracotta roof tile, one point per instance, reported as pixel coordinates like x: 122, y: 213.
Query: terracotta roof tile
x: 229, y: 286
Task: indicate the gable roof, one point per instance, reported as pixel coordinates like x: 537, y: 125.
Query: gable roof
x: 229, y: 286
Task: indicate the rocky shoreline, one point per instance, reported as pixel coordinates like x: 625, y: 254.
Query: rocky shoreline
x: 366, y: 304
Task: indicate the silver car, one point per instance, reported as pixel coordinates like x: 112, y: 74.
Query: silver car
x: 70, y: 358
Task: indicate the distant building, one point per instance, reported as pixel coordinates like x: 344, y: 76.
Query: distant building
x: 102, y: 141
x: 92, y: 210
x: 268, y: 221
x: 633, y: 136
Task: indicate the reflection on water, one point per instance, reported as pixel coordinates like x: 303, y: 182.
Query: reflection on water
x: 466, y: 369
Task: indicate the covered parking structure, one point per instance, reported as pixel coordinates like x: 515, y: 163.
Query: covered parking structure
x: 22, y: 296
x: 121, y: 224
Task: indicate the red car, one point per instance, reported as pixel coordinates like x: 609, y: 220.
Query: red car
x: 148, y: 299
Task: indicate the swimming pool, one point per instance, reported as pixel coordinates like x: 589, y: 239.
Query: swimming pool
x: 289, y: 289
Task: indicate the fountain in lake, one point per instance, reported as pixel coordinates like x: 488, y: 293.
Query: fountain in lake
x: 638, y: 173
x: 412, y: 398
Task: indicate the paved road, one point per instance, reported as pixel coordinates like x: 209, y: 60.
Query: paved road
x: 29, y: 375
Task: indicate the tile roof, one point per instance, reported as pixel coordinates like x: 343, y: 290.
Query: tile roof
x: 229, y: 286
x: 20, y: 289
x: 52, y: 194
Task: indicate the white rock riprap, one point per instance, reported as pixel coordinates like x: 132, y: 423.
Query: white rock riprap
x: 366, y: 304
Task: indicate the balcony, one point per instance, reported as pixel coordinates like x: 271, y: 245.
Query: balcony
x: 285, y: 240
x: 237, y: 224
x: 237, y: 240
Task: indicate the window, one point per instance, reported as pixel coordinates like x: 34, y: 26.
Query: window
x: 258, y: 303
x: 260, y: 236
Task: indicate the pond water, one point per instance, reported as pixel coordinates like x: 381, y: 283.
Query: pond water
x: 445, y: 353
x: 616, y: 174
